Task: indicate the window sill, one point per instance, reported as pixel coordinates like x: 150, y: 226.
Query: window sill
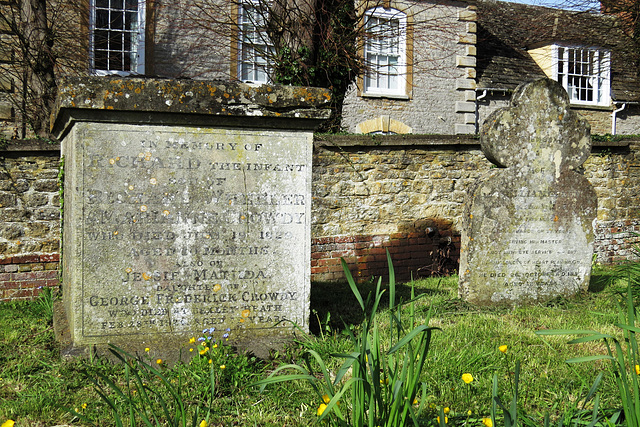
x: 112, y: 73
x: 590, y: 106
x: 386, y: 95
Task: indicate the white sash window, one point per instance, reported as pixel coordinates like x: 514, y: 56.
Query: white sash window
x: 117, y: 36
x: 584, y: 73
x: 385, y: 52
x: 254, y: 45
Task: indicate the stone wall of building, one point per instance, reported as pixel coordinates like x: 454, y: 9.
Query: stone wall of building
x: 401, y: 193
x: 440, y: 86
x: 628, y: 120
x: 600, y: 120
x: 182, y: 41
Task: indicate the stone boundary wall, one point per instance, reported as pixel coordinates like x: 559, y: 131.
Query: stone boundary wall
x: 29, y: 218
x: 405, y: 193
x: 402, y: 193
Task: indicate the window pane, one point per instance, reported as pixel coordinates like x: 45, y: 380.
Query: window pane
x: 101, y: 62
x: 115, y: 61
x: 115, y: 41
x: 260, y: 75
x: 102, y: 18
x: 585, y: 76
x: 560, y: 60
x: 101, y: 40
x: 115, y: 26
x: 131, y: 21
x: 255, y: 46
x: 116, y: 20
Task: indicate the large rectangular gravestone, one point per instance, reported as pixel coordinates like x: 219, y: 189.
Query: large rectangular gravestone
x: 186, y: 206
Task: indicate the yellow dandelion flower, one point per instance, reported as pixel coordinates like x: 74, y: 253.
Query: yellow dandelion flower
x: 223, y: 366
x: 503, y: 348
x: 210, y: 361
x: 147, y: 349
x: 446, y: 420
x: 8, y: 423
x: 321, y: 408
x: 415, y: 400
x: 84, y: 406
x: 190, y: 349
x: 467, y: 378
x: 469, y: 412
x: 204, y: 350
x: 215, y: 346
x: 637, y: 369
x: 159, y: 361
x: 487, y: 422
x: 203, y: 423
x: 326, y: 398
x: 446, y: 410
x: 192, y: 340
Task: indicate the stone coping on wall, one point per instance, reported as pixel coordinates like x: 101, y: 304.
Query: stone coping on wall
x: 328, y: 140
x: 29, y: 145
x: 168, y: 101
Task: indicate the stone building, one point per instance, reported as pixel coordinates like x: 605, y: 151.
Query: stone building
x: 591, y: 54
x: 436, y: 69
x: 431, y: 66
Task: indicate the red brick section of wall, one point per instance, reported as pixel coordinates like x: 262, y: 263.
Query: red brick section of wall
x: 414, y: 255
x: 22, y: 277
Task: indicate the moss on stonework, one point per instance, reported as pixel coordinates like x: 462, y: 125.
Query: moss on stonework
x: 193, y: 97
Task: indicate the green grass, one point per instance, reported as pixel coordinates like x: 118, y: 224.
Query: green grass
x: 35, y: 384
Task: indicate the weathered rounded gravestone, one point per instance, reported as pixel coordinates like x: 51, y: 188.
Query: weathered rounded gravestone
x: 528, y: 225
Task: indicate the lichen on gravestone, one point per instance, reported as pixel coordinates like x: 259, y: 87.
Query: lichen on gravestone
x: 528, y: 225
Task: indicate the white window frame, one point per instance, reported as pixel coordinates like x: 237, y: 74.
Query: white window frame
x: 584, y: 72
x: 137, y: 41
x: 383, y: 77
x: 254, y: 45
